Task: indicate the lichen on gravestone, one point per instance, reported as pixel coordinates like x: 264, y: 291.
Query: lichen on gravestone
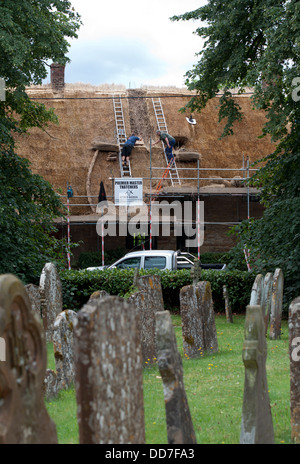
x: 276, y: 305
x: 196, y: 271
x: 148, y: 300
x: 108, y: 373
x: 23, y: 415
x: 51, y: 298
x: 198, y: 320
x: 266, y: 299
x: 257, y: 425
x: 228, y: 311
x: 63, y: 346
x: 180, y: 428
x: 294, y: 351
x: 257, y: 290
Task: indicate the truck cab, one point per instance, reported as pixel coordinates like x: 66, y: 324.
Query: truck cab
x: 157, y: 259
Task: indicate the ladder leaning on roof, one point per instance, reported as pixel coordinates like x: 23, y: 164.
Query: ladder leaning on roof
x: 162, y: 126
x: 121, y: 133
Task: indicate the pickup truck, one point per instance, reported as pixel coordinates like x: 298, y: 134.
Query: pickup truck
x: 157, y: 259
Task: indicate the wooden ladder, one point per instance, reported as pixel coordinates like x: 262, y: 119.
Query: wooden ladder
x: 162, y: 126
x: 121, y: 133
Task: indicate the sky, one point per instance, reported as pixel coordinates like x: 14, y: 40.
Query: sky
x: 133, y: 43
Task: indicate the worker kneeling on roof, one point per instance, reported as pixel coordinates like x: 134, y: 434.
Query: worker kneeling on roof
x: 169, y: 143
x: 127, y: 148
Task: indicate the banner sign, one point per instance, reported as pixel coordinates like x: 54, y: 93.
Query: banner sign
x: 128, y: 191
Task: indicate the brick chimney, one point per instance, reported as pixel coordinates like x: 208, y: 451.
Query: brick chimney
x: 57, y: 77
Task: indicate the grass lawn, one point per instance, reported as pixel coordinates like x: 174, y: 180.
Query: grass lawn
x: 214, y: 386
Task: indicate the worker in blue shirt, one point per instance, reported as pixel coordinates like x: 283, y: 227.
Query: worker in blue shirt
x: 127, y: 148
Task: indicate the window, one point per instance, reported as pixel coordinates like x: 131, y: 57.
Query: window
x: 129, y: 263
x: 157, y: 262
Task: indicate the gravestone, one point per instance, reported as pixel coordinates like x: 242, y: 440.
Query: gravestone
x: 23, y: 415
x: 196, y: 271
x: 257, y: 290
x: 294, y: 349
x: 98, y: 294
x: 64, y: 348
x: 228, y: 311
x: 150, y: 286
x: 51, y: 298
x: 49, y: 386
x: 2, y: 350
x: 192, y: 321
x: 146, y: 323
x: 257, y: 425
x: 108, y: 373
x: 198, y: 319
x: 179, y: 423
x: 148, y: 300
x: 33, y: 292
x: 266, y: 299
x: 207, y: 308
x: 276, y: 305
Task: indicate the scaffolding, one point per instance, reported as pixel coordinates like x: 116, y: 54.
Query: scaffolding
x: 245, y: 172
x: 245, y: 176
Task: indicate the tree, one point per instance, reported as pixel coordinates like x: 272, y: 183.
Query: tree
x: 255, y: 43
x: 32, y: 32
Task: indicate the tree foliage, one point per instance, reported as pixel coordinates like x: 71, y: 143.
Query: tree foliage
x: 256, y: 44
x: 28, y: 206
x: 249, y: 43
x: 32, y: 32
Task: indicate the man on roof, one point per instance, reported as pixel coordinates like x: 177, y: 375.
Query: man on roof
x: 128, y: 146
x: 169, y: 143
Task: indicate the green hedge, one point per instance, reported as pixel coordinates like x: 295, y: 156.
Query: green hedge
x: 79, y: 285
x: 94, y: 258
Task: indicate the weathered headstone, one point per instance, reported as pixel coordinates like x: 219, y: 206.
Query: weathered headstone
x: 51, y: 298
x: 179, y: 423
x: 207, y: 308
x: 266, y: 299
x: 33, y: 292
x: 108, y: 373
x: 64, y: 348
x: 98, y: 294
x: 49, y: 386
x: 257, y: 425
x: 23, y: 415
x: 257, y: 290
x: 294, y: 348
x: 196, y: 271
x: 150, y: 285
x: 136, y: 277
x: 276, y: 305
x: 148, y: 300
x: 198, y: 319
x: 192, y: 321
x: 2, y: 350
x: 228, y: 311
x: 146, y: 326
